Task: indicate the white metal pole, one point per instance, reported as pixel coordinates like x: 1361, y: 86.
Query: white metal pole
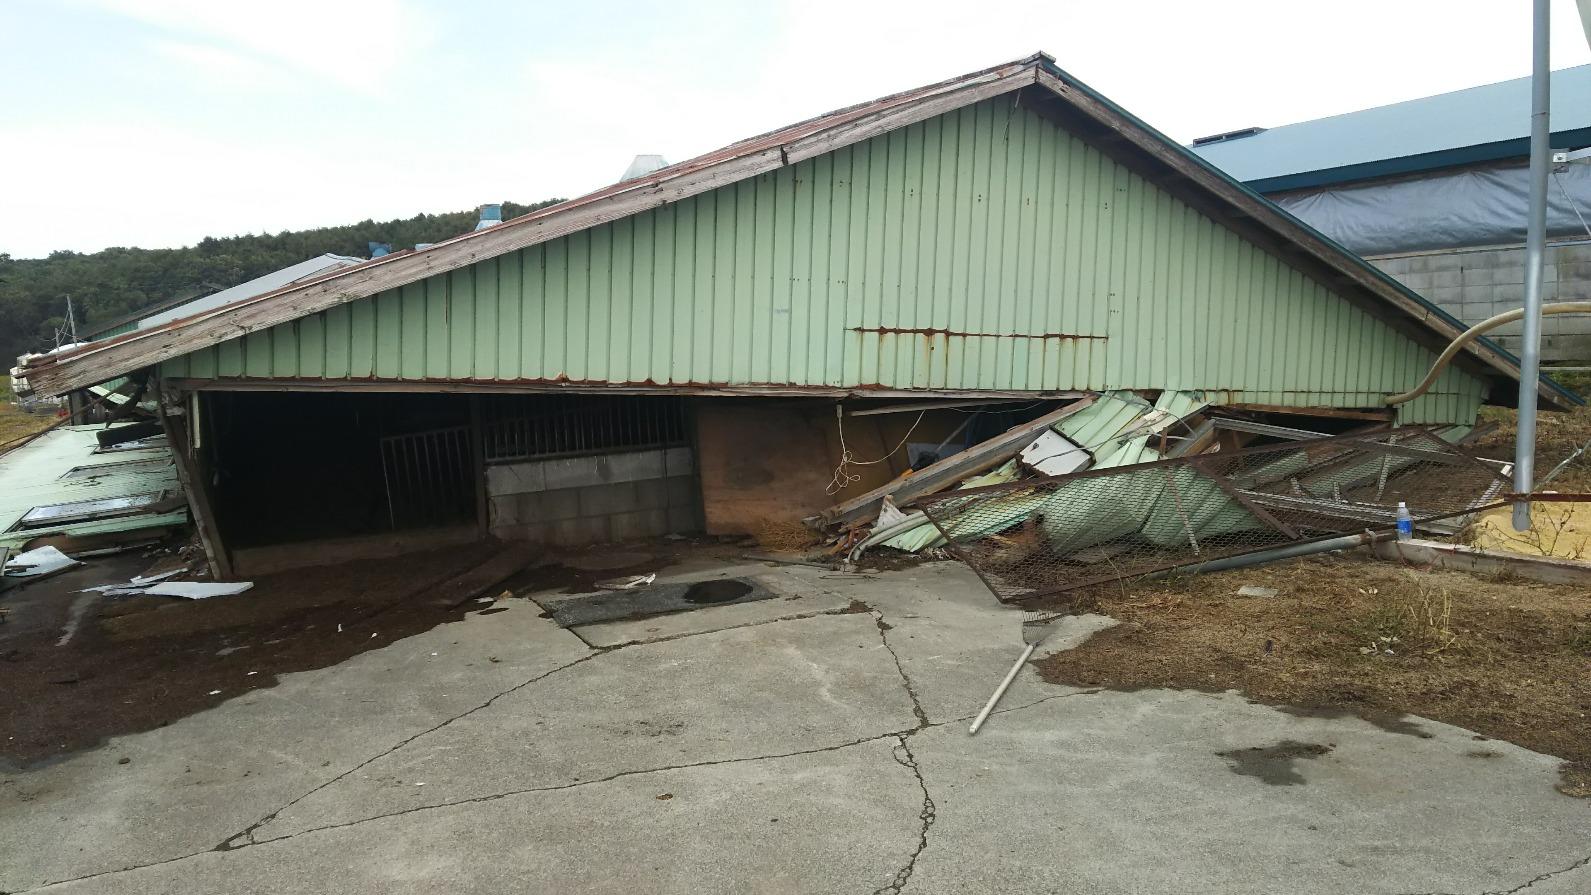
x: 1535, y: 244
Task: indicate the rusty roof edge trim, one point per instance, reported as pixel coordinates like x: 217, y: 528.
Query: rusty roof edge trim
x: 47, y: 366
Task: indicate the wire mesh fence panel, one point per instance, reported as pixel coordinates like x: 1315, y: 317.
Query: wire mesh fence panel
x: 1047, y: 535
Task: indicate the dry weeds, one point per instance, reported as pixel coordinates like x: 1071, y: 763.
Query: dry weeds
x: 14, y: 422
x: 782, y: 535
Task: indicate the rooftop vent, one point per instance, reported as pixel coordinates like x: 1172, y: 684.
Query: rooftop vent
x: 1228, y: 137
x: 491, y: 216
x: 642, y: 166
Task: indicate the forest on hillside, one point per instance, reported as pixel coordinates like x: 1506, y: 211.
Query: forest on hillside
x: 114, y: 283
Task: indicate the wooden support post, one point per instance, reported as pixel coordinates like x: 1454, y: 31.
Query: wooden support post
x: 191, y: 475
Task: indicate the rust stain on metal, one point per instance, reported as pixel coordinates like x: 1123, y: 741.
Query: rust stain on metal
x: 918, y: 331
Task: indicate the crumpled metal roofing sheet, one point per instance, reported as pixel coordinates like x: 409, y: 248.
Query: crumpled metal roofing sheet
x: 61, y: 467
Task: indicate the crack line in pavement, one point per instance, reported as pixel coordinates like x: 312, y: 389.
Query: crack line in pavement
x: 903, y: 756
x: 580, y: 783
x: 897, y: 734
x: 231, y: 841
x: 248, y: 833
x: 923, y: 723
x: 88, y: 876
x: 1522, y: 886
x: 906, y: 681
x: 1544, y: 877
x: 800, y: 616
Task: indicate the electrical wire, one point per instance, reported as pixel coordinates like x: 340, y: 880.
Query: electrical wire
x: 843, y: 479
x: 1572, y: 204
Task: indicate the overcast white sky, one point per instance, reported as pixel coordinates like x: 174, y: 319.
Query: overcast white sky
x: 157, y: 122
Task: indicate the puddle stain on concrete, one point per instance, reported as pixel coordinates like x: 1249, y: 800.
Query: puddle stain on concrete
x: 1273, y: 765
x: 1391, y: 722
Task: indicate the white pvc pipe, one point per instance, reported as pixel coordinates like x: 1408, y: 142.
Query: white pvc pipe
x: 1000, y: 690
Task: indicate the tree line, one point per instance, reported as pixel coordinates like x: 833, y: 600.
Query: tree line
x: 112, y: 284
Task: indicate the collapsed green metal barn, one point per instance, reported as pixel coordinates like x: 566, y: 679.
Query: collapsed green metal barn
x: 1006, y: 234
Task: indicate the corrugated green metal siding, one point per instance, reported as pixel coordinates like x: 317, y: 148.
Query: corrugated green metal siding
x: 114, y: 331
x: 984, y: 249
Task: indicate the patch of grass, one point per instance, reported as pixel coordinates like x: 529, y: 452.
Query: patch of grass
x: 15, y: 422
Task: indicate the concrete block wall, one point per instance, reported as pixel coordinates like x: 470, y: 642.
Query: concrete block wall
x: 1473, y: 284
x: 595, y: 499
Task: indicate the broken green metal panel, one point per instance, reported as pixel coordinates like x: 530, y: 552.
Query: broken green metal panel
x: 926, y: 535
x: 1115, y: 430
x: 41, y: 474
x: 1111, y: 412
x: 984, y: 249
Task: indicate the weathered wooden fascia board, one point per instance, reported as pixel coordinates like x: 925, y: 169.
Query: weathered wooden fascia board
x: 467, y: 387
x: 1271, y: 217
x: 113, y: 359
x: 993, y: 84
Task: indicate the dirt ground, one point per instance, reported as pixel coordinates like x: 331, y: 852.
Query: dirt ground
x: 134, y: 663
x: 1507, y: 659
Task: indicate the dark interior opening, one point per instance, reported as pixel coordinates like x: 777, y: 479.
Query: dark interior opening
x: 299, y: 466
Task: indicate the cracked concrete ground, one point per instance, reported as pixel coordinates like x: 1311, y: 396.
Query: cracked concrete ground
x: 788, y: 745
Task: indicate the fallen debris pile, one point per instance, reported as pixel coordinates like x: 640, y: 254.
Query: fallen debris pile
x: 1194, y: 513
x: 1080, y: 484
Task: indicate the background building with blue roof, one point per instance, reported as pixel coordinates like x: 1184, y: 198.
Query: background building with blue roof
x: 1434, y: 191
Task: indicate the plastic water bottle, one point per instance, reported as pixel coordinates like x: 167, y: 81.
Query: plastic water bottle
x: 1405, y: 522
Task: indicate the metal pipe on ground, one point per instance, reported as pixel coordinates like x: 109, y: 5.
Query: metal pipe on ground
x: 1291, y: 551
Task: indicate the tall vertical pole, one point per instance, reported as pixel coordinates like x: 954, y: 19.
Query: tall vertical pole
x: 1535, y: 243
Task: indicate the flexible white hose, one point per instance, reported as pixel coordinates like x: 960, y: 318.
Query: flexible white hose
x: 1475, y: 332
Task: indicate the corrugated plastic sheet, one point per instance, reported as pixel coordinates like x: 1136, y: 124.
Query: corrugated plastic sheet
x: 31, y: 476
x: 983, y: 249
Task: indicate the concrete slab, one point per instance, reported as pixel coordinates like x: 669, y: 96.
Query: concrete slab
x: 1125, y: 792
x: 190, y: 786
x: 771, y: 689
x: 657, y: 599
x: 825, y: 822
x: 798, y: 597
x: 954, y: 639
x: 661, y: 767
